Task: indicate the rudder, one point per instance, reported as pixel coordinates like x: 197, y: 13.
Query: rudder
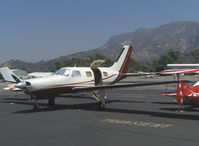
x: 121, y: 65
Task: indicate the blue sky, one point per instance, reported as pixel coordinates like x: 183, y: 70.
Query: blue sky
x: 34, y: 30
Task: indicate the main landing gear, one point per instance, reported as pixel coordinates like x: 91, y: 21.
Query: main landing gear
x: 101, y: 105
x: 101, y: 98
x: 51, y: 101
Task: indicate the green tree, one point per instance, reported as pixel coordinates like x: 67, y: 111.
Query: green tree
x: 83, y: 62
x: 195, y: 54
x: 135, y: 66
x: 57, y: 65
x: 170, y: 56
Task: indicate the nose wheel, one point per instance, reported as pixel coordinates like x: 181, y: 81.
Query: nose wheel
x: 36, y: 108
x: 36, y: 105
x: 51, y: 101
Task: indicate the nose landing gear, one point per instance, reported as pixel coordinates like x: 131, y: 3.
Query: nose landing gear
x: 51, y: 101
x: 36, y: 106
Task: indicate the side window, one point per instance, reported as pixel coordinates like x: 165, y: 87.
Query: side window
x: 88, y: 74
x: 105, y: 74
x: 67, y: 72
x: 76, y: 73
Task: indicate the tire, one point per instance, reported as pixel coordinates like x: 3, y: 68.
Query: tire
x: 51, y: 101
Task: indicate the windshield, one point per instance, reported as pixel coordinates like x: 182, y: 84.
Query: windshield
x: 65, y: 72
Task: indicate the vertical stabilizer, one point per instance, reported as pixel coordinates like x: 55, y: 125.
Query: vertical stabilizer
x: 8, y: 75
x: 121, y: 65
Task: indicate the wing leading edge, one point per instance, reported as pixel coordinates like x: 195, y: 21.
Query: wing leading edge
x: 94, y: 88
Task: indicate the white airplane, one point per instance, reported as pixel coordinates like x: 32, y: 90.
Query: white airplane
x: 94, y: 79
x: 180, y: 69
x: 182, y: 65
x: 5, y: 72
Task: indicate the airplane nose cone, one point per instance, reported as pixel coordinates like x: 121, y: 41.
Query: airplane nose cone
x: 22, y: 84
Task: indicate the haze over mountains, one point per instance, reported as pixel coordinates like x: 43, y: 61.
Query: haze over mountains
x: 148, y: 45
x: 151, y: 43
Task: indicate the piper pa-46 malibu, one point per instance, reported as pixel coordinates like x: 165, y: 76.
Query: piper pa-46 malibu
x: 94, y: 79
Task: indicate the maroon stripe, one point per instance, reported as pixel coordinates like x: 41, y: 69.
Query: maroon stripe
x: 61, y: 88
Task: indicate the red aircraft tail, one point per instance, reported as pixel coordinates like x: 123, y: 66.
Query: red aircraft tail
x: 180, y: 91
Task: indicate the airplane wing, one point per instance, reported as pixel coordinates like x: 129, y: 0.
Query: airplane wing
x: 131, y: 74
x: 94, y: 88
x: 182, y: 65
x: 39, y: 74
x: 138, y: 74
x: 179, y: 71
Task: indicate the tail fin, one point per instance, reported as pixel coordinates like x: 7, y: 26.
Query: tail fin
x: 8, y: 75
x: 121, y: 65
x: 180, y: 91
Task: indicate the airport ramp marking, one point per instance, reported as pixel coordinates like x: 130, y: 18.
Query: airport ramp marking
x: 137, y: 123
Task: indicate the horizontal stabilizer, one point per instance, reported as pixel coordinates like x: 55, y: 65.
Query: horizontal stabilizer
x: 169, y: 93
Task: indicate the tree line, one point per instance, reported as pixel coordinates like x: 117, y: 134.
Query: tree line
x: 157, y: 65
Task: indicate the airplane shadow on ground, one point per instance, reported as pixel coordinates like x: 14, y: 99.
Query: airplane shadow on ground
x: 16, y: 99
x: 109, y: 101
x: 190, y: 108
x: 169, y: 103
x: 187, y: 107
x: 93, y: 107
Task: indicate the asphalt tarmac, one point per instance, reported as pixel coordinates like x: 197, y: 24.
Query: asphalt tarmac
x: 133, y: 116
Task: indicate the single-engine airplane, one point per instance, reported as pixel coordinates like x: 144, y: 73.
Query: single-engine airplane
x: 184, y: 93
x: 93, y: 79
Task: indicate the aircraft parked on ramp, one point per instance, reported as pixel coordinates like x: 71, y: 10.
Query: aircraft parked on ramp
x: 94, y: 79
x: 21, y: 74
x: 184, y: 93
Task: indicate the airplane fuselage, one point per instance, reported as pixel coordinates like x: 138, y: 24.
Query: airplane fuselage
x: 64, y: 80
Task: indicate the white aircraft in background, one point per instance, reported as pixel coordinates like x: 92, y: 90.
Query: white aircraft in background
x: 142, y: 74
x: 5, y: 71
x: 94, y: 79
x: 180, y: 69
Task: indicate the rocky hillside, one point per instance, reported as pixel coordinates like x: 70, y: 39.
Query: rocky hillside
x: 151, y: 43
x: 148, y: 45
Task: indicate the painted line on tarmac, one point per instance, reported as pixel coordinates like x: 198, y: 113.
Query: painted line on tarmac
x: 137, y: 123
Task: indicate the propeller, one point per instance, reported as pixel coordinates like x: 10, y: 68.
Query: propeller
x: 20, y: 83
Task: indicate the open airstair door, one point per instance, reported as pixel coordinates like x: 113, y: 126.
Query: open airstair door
x: 96, y: 71
x: 98, y: 95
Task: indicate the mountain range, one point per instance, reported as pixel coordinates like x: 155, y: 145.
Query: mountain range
x: 149, y: 44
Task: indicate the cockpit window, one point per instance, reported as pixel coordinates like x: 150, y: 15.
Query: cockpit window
x: 65, y: 72
x: 76, y: 73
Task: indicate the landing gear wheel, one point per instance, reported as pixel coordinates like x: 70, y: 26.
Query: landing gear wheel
x: 36, y: 108
x: 101, y: 105
x: 51, y: 101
